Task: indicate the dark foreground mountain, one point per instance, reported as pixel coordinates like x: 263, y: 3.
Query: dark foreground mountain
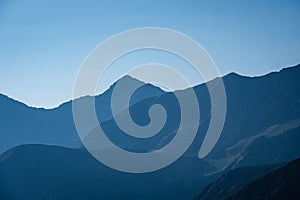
x: 38, y: 172
x: 280, y: 184
x: 275, y: 181
x: 233, y: 181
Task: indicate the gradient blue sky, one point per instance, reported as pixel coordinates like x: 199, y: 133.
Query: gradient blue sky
x: 43, y: 43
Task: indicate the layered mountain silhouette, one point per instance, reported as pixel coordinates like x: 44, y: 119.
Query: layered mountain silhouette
x: 262, y: 127
x: 21, y: 124
x: 254, y: 105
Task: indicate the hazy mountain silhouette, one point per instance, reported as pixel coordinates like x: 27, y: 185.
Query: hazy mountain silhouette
x: 253, y: 106
x: 262, y: 122
x: 261, y: 127
x: 21, y: 124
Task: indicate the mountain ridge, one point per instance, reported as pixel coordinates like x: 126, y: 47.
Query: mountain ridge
x: 268, y: 105
x: 126, y: 76
x: 56, y: 126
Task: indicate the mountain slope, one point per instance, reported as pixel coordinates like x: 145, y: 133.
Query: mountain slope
x: 280, y: 184
x: 49, y: 172
x: 233, y: 181
x: 262, y: 126
x: 254, y: 105
x: 20, y: 124
x: 277, y: 144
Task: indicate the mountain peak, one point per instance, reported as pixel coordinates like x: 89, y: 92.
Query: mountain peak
x: 129, y: 78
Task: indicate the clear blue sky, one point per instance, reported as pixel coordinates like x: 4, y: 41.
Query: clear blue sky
x: 43, y: 43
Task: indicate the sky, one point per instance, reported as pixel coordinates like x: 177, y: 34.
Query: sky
x: 43, y: 43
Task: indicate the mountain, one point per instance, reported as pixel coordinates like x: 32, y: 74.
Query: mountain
x: 261, y: 127
x: 280, y: 184
x: 21, y: 124
x: 50, y: 172
x: 256, y: 107
x: 234, y: 180
x: 262, y: 122
x: 276, y: 144
x: 273, y: 181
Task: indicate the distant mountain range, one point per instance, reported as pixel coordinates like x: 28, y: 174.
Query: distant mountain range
x: 41, y: 152
x: 21, y: 124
